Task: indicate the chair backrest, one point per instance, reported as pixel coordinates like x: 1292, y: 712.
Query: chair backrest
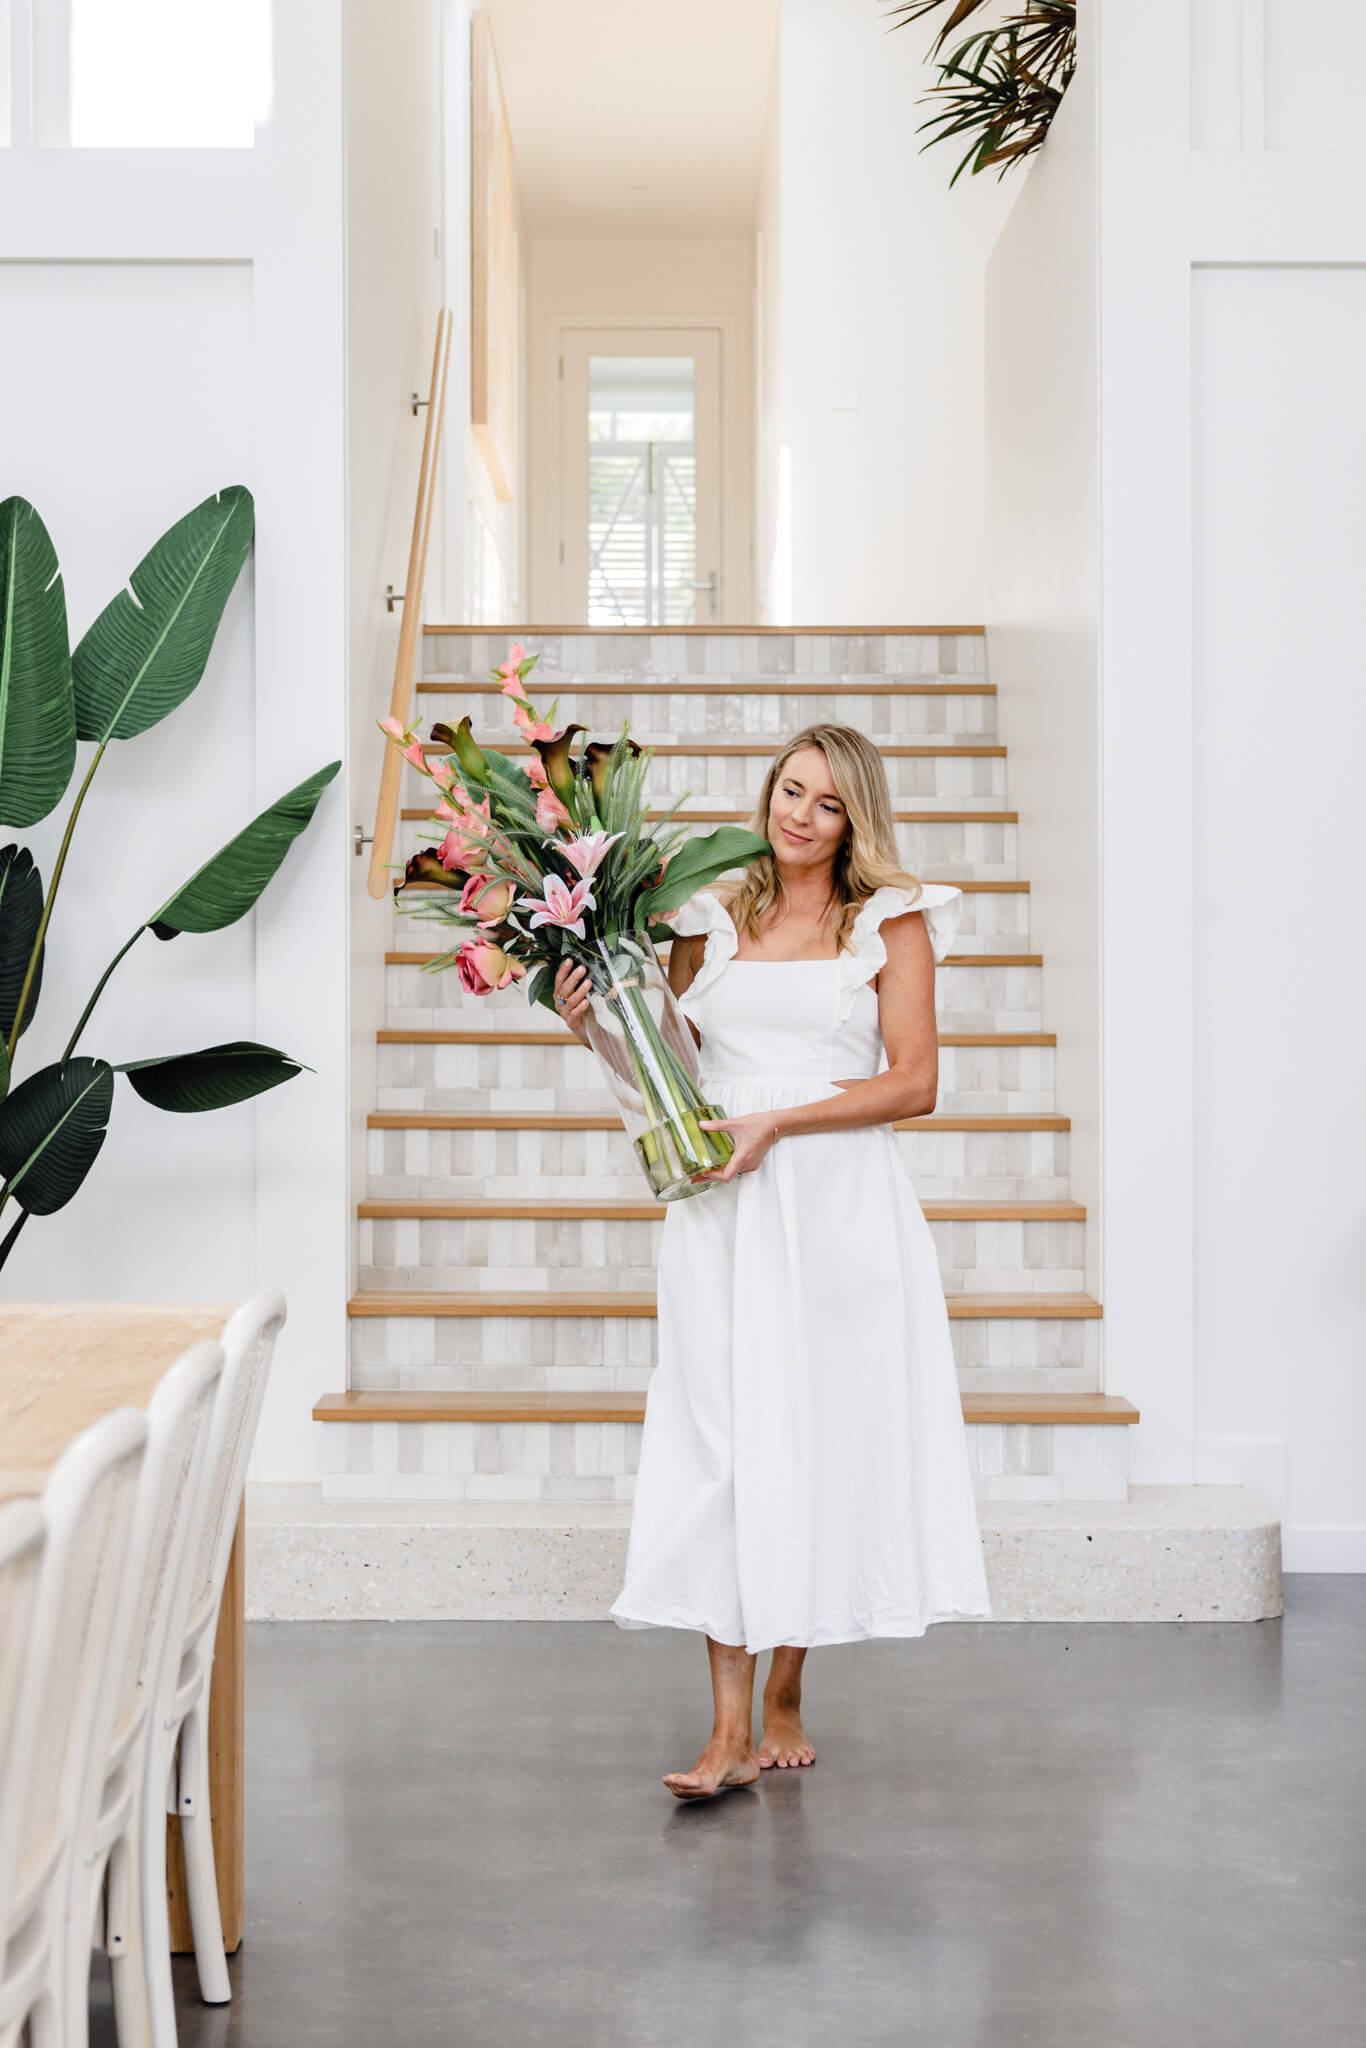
x: 168, y: 1521
x: 248, y: 1338
x: 23, y: 1534
x: 88, y: 1505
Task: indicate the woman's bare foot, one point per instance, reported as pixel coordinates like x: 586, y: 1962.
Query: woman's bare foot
x: 784, y: 1746
x: 725, y: 1763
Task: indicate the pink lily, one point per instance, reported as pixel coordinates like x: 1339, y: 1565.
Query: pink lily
x: 483, y: 967
x: 562, y: 906
x: 550, y: 812
x: 585, y: 854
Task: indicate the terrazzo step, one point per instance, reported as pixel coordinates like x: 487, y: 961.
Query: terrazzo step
x: 947, y: 839
x: 515, y: 1340
x: 707, y: 706
x: 705, y: 653
x: 581, y: 1447
x: 529, y: 1069
x: 1168, y: 1553
x: 478, y: 1251
x: 974, y: 992
x: 470, y: 1154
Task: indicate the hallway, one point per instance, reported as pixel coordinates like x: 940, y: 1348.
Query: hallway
x: 1108, y: 1835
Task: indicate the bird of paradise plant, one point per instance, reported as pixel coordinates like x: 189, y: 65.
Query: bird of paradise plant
x: 137, y: 663
x: 554, y: 860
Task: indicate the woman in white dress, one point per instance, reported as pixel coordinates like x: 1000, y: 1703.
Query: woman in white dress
x: 803, y: 1471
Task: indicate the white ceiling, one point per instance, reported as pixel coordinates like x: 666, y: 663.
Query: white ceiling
x: 636, y: 117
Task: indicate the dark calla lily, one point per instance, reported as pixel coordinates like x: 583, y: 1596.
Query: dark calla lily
x: 425, y: 869
x: 557, y: 762
x: 463, y: 745
x: 596, y: 756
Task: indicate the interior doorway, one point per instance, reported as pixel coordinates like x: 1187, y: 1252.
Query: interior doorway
x: 641, y: 467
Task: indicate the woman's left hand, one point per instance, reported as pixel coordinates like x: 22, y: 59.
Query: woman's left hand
x: 752, y: 1136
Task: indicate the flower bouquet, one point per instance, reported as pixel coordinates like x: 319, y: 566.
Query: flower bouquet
x: 553, y: 860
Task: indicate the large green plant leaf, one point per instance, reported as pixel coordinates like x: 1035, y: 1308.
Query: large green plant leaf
x: 227, y: 886
x: 21, y: 910
x: 147, y: 649
x: 37, y: 715
x: 51, y: 1129
x: 696, y: 864
x: 215, y: 1078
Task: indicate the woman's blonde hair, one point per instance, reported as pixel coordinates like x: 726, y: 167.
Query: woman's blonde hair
x: 867, y: 858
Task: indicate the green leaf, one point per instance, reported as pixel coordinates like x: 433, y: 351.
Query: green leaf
x: 148, y: 648
x: 227, y: 886
x: 37, y: 713
x: 4, y: 1068
x: 540, y: 986
x: 51, y: 1130
x: 215, y: 1078
x: 700, y: 862
x: 21, y: 911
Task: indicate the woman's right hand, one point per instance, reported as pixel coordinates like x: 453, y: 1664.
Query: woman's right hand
x: 571, y: 996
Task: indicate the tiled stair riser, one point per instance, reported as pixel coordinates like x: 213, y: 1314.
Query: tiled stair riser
x: 989, y: 922
x: 945, y: 848
x: 972, y: 1079
x: 967, y: 997
x: 583, y: 1354
x: 972, y: 781
x: 543, y: 1461
x: 663, y: 716
x: 995, y: 1166
x: 506, y: 1254
x: 916, y: 657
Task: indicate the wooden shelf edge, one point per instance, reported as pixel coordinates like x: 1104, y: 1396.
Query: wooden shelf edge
x: 356, y: 1405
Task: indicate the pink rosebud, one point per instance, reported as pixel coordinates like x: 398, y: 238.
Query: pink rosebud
x: 483, y: 967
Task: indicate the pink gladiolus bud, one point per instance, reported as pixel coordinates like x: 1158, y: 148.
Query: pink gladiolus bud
x: 550, y: 812
x: 441, y: 771
x: 535, y: 771
x: 415, y: 754
x: 395, y: 728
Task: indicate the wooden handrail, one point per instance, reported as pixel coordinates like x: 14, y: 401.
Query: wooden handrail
x: 401, y: 697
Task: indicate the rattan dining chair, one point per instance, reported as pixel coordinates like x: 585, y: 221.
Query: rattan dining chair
x: 87, y: 1504
x: 167, y: 1523
x: 178, y: 1754
x: 23, y: 1533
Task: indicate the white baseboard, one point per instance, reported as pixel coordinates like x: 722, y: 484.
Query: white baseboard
x: 1309, y: 1549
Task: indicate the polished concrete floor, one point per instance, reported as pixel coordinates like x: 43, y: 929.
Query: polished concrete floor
x: 1106, y: 1836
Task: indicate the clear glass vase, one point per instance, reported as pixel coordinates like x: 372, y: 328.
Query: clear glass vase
x: 646, y: 1048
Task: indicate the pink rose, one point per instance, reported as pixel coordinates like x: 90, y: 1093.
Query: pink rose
x: 483, y: 967
x: 488, y: 900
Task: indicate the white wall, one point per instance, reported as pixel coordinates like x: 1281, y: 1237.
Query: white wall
x: 174, y: 320
x: 650, y: 283
x: 1205, y: 161
x: 882, y: 329
x: 1279, y: 535
x: 395, y: 274
x: 772, y: 565
x: 1041, y: 603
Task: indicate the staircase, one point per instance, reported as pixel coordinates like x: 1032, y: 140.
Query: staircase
x: 503, y: 1334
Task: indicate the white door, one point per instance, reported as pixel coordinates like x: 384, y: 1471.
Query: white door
x: 640, y: 477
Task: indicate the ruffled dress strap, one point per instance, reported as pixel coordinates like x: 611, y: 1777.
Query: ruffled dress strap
x: 866, y: 951
x: 705, y: 913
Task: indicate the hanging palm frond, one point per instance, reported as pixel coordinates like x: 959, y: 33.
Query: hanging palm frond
x: 1001, y: 86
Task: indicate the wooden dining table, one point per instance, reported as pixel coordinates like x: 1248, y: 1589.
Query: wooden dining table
x: 62, y: 1366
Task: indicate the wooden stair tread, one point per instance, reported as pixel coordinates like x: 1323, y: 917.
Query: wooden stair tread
x: 623, y: 1302
x: 523, y: 1035
x: 646, y: 1209
x: 738, y: 817
x: 400, y: 958
x: 719, y: 686
x: 611, y: 1406
x: 605, y: 1120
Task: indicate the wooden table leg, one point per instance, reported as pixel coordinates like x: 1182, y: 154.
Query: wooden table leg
x: 226, y: 1788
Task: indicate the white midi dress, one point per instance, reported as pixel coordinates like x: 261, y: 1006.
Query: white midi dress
x: 803, y: 1470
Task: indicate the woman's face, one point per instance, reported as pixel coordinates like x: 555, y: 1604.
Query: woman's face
x: 806, y: 819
